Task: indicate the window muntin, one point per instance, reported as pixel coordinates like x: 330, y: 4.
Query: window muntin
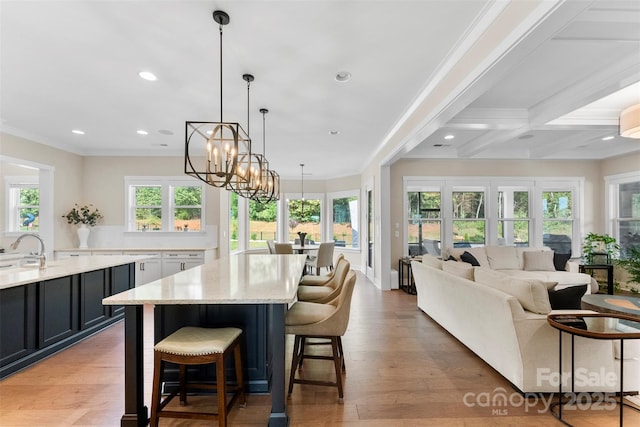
x: 424, y: 219
x: 164, y: 204
x: 305, y: 216
x: 22, y: 196
x: 629, y: 216
x: 345, y: 211
x: 513, y: 216
x: 468, y: 223
x: 557, y: 219
x: 263, y: 223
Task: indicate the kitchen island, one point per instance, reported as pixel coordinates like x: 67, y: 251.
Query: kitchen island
x: 248, y: 291
x: 45, y: 311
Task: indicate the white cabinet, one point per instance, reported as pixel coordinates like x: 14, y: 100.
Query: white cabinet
x: 176, y: 261
x: 149, y: 269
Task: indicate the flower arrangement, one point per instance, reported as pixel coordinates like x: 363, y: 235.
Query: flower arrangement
x: 83, y: 215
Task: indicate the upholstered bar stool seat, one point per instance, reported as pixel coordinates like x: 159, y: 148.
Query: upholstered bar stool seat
x: 311, y: 280
x: 198, y: 346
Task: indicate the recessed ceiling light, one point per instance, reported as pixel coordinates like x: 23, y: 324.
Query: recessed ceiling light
x: 608, y: 138
x: 449, y: 136
x: 343, y: 76
x: 334, y: 132
x: 147, y: 75
x: 78, y: 132
x: 142, y: 132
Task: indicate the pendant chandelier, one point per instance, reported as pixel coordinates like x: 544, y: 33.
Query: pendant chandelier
x: 211, y: 148
x: 246, y: 181
x: 270, y: 181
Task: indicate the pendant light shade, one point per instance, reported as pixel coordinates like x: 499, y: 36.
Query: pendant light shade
x: 211, y: 148
x: 270, y: 181
x: 630, y: 122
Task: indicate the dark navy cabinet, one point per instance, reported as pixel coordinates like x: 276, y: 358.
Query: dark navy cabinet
x: 41, y: 318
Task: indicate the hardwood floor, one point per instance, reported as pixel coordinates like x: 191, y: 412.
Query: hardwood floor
x: 402, y: 370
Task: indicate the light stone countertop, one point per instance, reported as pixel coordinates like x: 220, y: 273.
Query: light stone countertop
x: 17, y: 276
x: 237, y: 279
x: 144, y: 249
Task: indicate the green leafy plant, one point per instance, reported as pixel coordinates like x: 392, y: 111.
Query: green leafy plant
x: 83, y: 215
x: 632, y: 264
x: 599, y: 243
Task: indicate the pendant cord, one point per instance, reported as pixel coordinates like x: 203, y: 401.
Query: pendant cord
x: 221, y: 120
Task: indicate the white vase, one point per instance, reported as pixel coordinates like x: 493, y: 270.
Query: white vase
x: 83, y: 236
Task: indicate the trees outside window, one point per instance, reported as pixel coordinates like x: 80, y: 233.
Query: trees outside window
x: 262, y: 223
x: 468, y: 217
x: 305, y: 216
x: 345, y: 220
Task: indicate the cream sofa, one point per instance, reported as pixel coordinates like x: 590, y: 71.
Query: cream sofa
x: 516, y: 342
x: 526, y: 263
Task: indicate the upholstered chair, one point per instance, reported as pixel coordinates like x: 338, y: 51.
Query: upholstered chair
x: 324, y: 258
x: 271, y: 246
x: 327, y: 292
x: 310, y: 280
x: 308, y: 320
x: 283, y: 248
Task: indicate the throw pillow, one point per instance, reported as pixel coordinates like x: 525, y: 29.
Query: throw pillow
x: 503, y: 257
x: 467, y: 257
x: 531, y: 294
x: 560, y: 261
x: 538, y: 261
x: 459, y: 269
x: 567, y: 298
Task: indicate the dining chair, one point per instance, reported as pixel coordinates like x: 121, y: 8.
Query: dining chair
x: 271, y: 246
x: 311, y: 280
x: 327, y: 321
x: 323, y: 258
x: 325, y: 293
x: 283, y: 248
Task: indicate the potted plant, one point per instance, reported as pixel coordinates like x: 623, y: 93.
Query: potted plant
x: 84, y: 216
x: 599, y: 244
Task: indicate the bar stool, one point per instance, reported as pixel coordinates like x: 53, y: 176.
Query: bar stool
x: 197, y: 346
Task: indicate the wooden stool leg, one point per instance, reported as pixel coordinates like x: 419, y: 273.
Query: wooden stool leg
x: 158, y: 367
x: 337, y: 363
x: 183, y: 385
x: 239, y: 375
x: 221, y: 390
x: 344, y: 368
x: 294, y: 362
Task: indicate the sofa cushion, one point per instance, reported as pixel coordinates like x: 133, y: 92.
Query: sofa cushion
x: 502, y: 257
x: 467, y: 257
x: 432, y: 261
x: 532, y: 294
x: 538, y: 261
x: 567, y: 298
x: 560, y: 261
x: 460, y: 269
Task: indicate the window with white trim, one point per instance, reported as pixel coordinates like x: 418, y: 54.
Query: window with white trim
x: 23, y: 204
x: 345, y: 218
x: 623, y: 210
x: 168, y: 204
x: 510, y: 211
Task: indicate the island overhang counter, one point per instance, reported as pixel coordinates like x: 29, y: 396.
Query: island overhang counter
x: 247, y: 291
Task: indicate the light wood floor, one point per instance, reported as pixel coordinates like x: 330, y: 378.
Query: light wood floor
x: 402, y: 370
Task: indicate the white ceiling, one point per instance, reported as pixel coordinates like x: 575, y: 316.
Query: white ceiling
x: 74, y: 65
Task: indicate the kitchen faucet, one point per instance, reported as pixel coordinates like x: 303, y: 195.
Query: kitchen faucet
x: 41, y: 256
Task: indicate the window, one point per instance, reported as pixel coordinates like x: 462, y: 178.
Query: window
x: 262, y: 223
x: 476, y: 211
x: 305, y: 216
x: 624, y: 210
x: 23, y: 204
x: 233, y: 221
x: 345, y: 209
x: 513, y: 216
x: 425, y: 221
x: 164, y: 204
x: 468, y: 218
